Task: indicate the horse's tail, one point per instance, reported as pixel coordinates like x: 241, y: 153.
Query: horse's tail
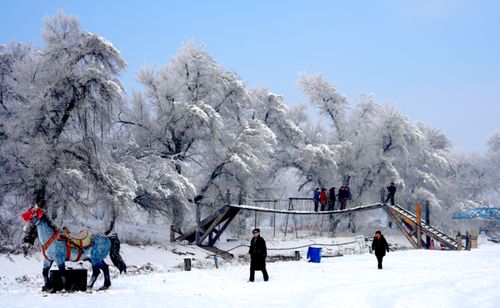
x: 114, y: 253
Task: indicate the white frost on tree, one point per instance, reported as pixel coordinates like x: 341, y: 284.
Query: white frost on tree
x: 59, y: 103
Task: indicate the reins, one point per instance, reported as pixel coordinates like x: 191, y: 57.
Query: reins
x: 47, y: 244
x: 61, y: 237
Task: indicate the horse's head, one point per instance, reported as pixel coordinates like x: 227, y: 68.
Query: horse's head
x: 33, y: 215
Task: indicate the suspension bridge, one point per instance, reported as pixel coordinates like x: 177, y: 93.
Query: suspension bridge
x: 209, y: 230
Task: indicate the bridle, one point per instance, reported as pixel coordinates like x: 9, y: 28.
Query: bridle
x: 33, y: 216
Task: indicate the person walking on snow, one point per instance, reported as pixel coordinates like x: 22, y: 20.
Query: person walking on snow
x: 379, y: 246
x: 258, y: 254
x: 392, y: 191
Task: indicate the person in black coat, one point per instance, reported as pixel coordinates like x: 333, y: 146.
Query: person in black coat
x: 258, y: 254
x: 331, y: 199
x: 380, y: 246
x: 392, y: 191
x: 342, y: 197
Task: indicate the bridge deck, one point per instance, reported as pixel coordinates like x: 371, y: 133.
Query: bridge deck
x: 300, y: 212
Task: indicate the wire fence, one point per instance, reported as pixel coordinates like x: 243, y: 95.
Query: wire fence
x: 357, y: 246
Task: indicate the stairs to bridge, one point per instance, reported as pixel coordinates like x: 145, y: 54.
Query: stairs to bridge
x: 211, y: 228
x: 411, y: 226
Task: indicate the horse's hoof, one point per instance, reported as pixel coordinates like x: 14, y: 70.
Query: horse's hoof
x: 89, y: 290
x: 104, y: 288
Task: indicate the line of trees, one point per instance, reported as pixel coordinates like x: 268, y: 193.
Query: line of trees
x: 73, y: 141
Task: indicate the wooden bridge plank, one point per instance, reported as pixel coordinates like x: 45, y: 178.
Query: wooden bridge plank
x: 354, y: 209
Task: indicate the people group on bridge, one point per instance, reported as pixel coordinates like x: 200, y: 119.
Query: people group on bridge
x: 326, y: 202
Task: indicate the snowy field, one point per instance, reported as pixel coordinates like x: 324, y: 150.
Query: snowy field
x: 410, y: 278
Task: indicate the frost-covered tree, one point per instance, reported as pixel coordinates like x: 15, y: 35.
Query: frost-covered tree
x: 68, y: 143
x: 481, y: 172
x: 58, y: 103
x: 242, y: 157
x: 330, y: 103
x: 493, y: 163
x: 185, y: 105
x: 374, y: 144
x: 194, y: 117
x: 270, y: 108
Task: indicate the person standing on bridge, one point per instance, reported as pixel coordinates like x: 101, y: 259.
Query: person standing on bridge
x: 331, y: 199
x: 316, y: 199
x: 380, y: 246
x: 341, y: 197
x: 258, y: 254
x: 392, y: 191
x: 323, y: 199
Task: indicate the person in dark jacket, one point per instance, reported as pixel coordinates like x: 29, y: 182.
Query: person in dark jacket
x: 342, y: 198
x: 331, y: 199
x: 379, y: 246
x: 392, y: 191
x: 258, y: 254
x: 316, y: 198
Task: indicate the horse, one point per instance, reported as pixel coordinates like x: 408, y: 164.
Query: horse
x: 58, y: 247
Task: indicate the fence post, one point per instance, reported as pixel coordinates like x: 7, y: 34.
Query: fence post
x: 418, y: 220
x: 274, y: 220
x: 427, y: 222
x: 288, y: 214
x: 297, y: 255
x: 187, y: 264
x: 216, y: 261
x: 473, y: 237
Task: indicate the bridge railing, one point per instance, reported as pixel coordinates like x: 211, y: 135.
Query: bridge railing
x: 276, y: 204
x: 289, y: 224
x: 294, y: 203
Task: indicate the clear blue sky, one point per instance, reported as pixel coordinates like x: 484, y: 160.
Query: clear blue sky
x: 436, y: 61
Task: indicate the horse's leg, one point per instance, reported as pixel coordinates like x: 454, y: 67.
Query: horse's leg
x: 45, y: 272
x: 95, y: 274
x: 105, y: 270
x: 62, y: 270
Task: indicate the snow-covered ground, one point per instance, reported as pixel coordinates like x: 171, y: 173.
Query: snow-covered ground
x: 410, y: 278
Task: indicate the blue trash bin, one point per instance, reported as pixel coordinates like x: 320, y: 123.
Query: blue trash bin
x: 314, y: 254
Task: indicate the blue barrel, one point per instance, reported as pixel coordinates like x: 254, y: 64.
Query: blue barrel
x: 314, y: 254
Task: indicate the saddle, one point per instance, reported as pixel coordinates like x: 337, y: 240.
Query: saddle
x: 78, y: 240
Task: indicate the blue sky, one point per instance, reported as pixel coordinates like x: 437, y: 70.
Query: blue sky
x: 436, y: 61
